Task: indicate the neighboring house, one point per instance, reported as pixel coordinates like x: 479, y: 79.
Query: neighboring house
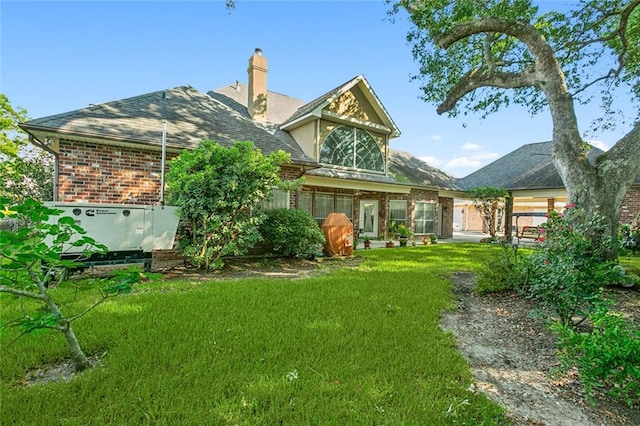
x: 339, y: 142
x: 534, y: 184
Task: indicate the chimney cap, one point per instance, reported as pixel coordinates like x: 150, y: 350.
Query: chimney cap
x: 258, y: 51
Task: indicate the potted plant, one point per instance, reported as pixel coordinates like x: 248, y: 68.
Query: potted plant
x: 367, y: 241
x: 404, y: 234
x: 433, y: 238
x: 390, y: 244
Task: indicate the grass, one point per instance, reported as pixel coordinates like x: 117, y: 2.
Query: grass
x: 354, y: 346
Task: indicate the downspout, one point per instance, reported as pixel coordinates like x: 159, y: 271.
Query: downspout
x: 164, y: 160
x: 56, y: 169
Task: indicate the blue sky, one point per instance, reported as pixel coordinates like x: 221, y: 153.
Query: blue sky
x: 60, y: 56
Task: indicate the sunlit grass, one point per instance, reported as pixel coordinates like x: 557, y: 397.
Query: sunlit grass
x: 355, y: 346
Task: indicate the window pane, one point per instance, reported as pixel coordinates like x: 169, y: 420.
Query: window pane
x: 337, y: 148
x: 324, y: 206
x: 305, y: 202
x: 344, y: 204
x: 279, y: 200
x: 398, y: 211
x: 350, y: 147
x: 424, y: 218
x: 368, y: 155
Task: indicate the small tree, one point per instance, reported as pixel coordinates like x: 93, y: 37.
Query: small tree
x: 31, y: 258
x: 26, y: 172
x: 219, y: 191
x: 488, y: 200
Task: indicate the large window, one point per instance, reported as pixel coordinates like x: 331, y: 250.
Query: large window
x: 398, y: 212
x: 425, y: 218
x: 279, y: 200
x: 323, y: 206
x: 344, y: 204
x: 320, y: 204
x: 354, y: 148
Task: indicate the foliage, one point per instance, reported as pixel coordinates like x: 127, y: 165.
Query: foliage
x: 570, y: 268
x: 27, y: 172
x: 481, y: 56
x: 607, y: 356
x: 353, y: 345
x: 501, y: 272
x: 403, y: 231
x: 32, y: 257
x: 488, y: 200
x: 292, y: 233
x: 583, y: 38
x: 629, y: 236
x: 219, y: 191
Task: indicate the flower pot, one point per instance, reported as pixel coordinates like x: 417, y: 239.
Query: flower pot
x: 390, y: 244
x: 367, y: 244
x: 403, y: 241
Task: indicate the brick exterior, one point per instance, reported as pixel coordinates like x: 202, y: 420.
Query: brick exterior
x: 630, y: 205
x: 94, y: 173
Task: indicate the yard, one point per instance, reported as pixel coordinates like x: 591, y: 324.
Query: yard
x: 349, y: 342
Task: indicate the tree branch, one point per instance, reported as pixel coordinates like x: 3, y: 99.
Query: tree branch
x: 545, y: 74
x: 17, y: 292
x: 476, y: 78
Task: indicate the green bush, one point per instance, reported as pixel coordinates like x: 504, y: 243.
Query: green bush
x: 570, y: 268
x: 501, y: 272
x: 608, y: 356
x: 291, y: 233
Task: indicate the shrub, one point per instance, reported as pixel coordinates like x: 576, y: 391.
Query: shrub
x: 608, y: 356
x: 501, y: 272
x: 218, y: 190
x: 291, y: 233
x: 569, y: 270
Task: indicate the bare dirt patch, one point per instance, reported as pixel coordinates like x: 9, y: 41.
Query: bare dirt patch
x: 512, y: 356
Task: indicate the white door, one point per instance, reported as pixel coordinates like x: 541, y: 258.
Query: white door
x: 369, y: 217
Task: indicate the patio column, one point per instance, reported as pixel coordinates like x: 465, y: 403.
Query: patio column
x: 508, y: 217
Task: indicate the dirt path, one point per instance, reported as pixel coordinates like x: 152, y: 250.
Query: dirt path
x: 512, y: 356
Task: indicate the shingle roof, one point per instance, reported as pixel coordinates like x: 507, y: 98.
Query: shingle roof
x: 528, y: 167
x: 409, y: 169
x: 191, y: 117
x: 279, y: 107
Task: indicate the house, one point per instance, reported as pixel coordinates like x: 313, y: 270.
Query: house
x: 530, y: 176
x: 339, y: 142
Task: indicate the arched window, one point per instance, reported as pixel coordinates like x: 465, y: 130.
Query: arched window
x: 354, y: 148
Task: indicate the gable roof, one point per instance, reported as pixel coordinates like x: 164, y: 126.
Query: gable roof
x: 279, y: 107
x: 528, y: 167
x: 315, y: 107
x: 411, y: 170
x: 191, y: 117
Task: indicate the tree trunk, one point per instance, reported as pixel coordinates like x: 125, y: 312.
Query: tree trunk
x: 79, y: 358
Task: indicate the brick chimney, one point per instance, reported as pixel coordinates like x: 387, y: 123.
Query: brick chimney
x: 257, y: 103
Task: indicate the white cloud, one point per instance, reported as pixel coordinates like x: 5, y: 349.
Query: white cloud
x: 462, y: 162
x: 432, y: 161
x: 436, y: 137
x: 599, y: 144
x: 471, y: 147
x: 471, y: 162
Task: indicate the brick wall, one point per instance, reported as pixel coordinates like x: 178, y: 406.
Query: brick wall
x: 631, y: 205
x: 107, y: 174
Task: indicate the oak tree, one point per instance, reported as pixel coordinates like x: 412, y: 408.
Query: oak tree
x: 481, y: 56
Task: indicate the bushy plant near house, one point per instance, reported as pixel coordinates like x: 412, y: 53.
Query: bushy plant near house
x: 501, y: 272
x: 292, y: 233
x: 219, y: 191
x: 31, y: 261
x: 607, y: 356
x: 569, y: 270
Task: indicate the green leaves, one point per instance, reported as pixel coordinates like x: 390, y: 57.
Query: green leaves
x: 219, y: 191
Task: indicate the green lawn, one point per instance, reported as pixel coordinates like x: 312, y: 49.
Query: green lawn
x: 353, y: 347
